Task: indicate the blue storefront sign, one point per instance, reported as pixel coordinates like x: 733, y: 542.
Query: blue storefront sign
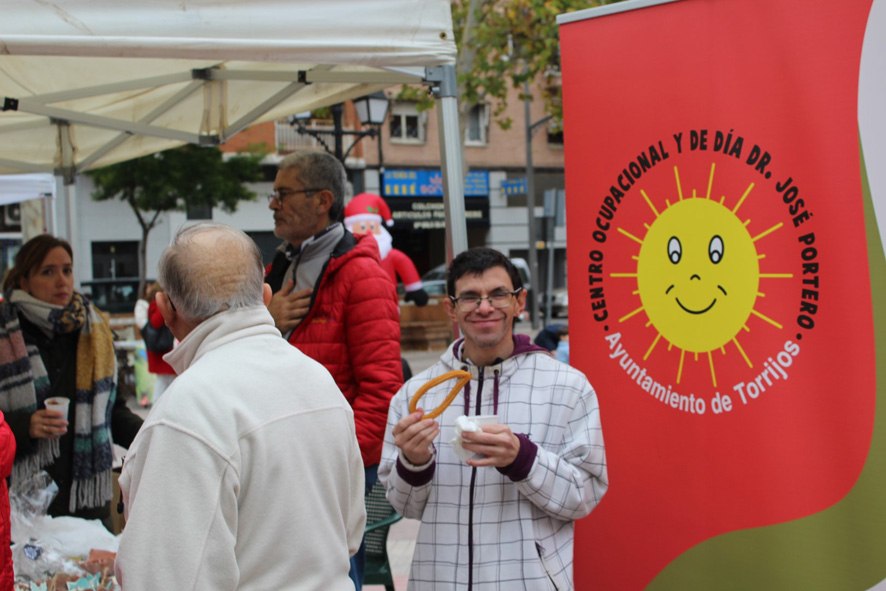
x: 514, y: 186
x: 429, y: 183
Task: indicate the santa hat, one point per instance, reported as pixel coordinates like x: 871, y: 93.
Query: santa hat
x: 367, y: 207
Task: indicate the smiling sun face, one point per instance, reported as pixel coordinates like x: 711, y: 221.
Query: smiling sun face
x: 698, y: 275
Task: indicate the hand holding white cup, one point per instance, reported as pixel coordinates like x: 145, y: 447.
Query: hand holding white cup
x: 469, y: 423
x: 61, y: 405
x: 58, y: 404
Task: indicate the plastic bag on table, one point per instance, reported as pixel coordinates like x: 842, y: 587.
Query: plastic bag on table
x: 31, y: 498
x: 34, y: 555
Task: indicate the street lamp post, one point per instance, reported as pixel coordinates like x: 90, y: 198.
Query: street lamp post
x: 530, y: 204
x: 372, y: 109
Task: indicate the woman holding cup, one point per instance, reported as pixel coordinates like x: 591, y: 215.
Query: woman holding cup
x: 55, y: 345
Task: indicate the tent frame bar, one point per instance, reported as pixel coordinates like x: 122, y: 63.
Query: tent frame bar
x: 442, y: 79
x: 103, y: 89
x: 34, y: 108
x: 168, y: 104
x: 317, y: 74
x: 298, y: 79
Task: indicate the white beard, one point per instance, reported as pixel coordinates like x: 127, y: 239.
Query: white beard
x: 385, y: 242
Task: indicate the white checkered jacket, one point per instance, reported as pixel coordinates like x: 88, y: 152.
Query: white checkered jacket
x: 480, y: 530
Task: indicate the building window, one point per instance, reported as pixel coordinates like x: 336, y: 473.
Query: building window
x: 198, y: 211
x: 555, y: 138
x: 111, y: 260
x: 407, y: 124
x: 114, y: 284
x: 478, y: 125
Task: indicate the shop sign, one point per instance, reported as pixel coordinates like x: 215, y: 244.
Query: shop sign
x: 429, y: 183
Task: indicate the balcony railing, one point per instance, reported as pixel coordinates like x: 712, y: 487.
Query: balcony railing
x: 287, y: 139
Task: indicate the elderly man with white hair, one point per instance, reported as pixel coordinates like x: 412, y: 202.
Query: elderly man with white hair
x: 247, y: 474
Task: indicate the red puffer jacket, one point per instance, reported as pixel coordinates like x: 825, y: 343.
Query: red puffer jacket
x: 7, y: 455
x: 155, y: 359
x: 353, y: 329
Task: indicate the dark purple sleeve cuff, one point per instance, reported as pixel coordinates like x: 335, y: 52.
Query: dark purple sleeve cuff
x: 519, y: 468
x: 413, y: 478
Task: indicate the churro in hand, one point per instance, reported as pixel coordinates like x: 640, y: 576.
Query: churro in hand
x: 463, y: 378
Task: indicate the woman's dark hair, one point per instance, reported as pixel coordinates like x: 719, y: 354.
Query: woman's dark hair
x: 30, y: 256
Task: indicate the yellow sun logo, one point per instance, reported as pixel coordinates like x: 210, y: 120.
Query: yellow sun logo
x: 698, y: 274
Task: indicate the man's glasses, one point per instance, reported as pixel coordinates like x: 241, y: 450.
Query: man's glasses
x: 497, y: 299
x: 281, y: 194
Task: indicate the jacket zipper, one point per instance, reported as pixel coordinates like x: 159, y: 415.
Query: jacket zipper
x: 471, y: 493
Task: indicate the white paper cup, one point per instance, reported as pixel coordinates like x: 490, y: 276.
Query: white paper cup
x: 485, y: 419
x: 58, y: 404
x: 480, y: 420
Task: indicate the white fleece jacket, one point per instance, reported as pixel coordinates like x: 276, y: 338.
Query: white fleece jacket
x: 246, y: 474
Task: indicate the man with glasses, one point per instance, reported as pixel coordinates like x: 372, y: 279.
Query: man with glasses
x: 503, y: 518
x: 332, y: 299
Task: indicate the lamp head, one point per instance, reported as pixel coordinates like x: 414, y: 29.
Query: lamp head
x: 372, y: 109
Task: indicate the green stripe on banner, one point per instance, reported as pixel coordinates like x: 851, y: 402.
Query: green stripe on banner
x: 841, y: 548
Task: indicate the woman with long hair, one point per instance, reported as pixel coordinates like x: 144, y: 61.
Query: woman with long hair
x: 53, y: 342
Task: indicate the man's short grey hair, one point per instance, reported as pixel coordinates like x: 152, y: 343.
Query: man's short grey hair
x: 319, y: 170
x: 210, y: 268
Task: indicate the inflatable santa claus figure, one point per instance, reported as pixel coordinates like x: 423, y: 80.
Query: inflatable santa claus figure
x: 368, y: 213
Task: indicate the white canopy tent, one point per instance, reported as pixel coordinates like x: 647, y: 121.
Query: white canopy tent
x: 15, y: 188
x: 86, y: 83
x: 18, y: 188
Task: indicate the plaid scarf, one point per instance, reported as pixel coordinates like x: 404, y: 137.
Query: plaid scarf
x: 24, y: 385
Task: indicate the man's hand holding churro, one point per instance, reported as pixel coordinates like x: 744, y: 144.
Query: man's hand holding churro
x: 414, y: 436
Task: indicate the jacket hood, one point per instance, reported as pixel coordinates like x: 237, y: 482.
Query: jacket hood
x: 522, y: 346
x: 351, y: 246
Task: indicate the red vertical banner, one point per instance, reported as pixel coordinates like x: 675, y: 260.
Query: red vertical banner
x: 718, y: 269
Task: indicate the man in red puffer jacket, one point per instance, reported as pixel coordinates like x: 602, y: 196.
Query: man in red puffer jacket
x: 332, y: 299
x: 163, y: 372
x: 7, y: 455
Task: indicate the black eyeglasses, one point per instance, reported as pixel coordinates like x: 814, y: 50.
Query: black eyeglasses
x: 281, y: 194
x: 497, y: 299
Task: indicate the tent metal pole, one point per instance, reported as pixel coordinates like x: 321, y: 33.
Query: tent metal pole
x: 534, y: 280
x: 450, y: 159
x: 69, y: 174
x: 49, y: 215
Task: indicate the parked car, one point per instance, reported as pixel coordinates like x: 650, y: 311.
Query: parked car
x: 435, y: 288
x: 559, y: 302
